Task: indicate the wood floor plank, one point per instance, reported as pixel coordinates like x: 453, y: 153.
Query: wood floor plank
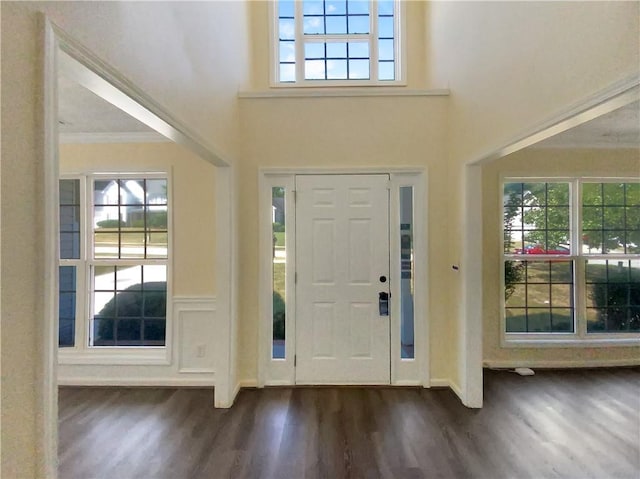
x: 556, y: 424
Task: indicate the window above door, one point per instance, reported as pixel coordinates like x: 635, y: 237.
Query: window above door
x: 337, y: 43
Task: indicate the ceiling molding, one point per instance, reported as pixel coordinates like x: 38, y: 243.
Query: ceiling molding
x: 113, y: 137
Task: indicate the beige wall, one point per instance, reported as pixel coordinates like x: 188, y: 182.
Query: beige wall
x: 192, y: 201
x: 514, y: 65
x: 173, y: 52
x: 342, y: 133
x: 540, y: 162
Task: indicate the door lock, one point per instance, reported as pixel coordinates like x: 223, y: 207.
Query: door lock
x: 383, y: 303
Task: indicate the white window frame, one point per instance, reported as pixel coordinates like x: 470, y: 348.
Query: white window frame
x: 580, y: 337
x: 83, y: 352
x: 399, y: 49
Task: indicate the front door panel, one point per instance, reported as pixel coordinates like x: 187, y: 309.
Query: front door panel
x: 342, y: 251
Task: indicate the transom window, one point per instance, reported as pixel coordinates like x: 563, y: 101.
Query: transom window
x: 322, y: 42
x: 571, y: 255
x: 114, y: 252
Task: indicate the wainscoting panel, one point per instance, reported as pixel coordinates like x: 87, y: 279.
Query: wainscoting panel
x: 194, y: 321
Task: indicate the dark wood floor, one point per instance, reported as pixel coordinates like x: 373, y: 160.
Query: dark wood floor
x: 577, y: 424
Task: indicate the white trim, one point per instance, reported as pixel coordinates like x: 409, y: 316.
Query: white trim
x: 615, y: 96
x: 247, y: 383
x: 332, y: 91
x: 205, y: 305
x: 83, y: 66
x: 113, y: 137
x: 560, y: 364
x: 46, y: 386
x: 439, y: 383
x: 226, y: 266
x: 371, y: 38
x: 572, y: 341
x: 93, y: 381
x: 471, y: 328
x: 115, y: 356
x: 281, y: 372
x: 458, y: 391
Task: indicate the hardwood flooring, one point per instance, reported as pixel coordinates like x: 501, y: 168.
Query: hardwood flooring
x: 569, y: 424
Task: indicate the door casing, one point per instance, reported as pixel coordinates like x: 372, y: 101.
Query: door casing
x: 273, y: 372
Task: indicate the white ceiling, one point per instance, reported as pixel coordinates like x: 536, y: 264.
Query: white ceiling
x: 618, y: 129
x: 84, y: 117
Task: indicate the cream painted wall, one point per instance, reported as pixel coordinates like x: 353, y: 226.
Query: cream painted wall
x: 342, y: 133
x: 192, y: 200
x: 513, y: 65
x: 173, y: 52
x: 541, y: 162
x: 416, y: 46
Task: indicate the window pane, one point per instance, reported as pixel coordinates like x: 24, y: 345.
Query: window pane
x: 278, y: 198
x: 358, y: 50
x: 358, y: 6
x: 287, y: 73
x: 358, y: 69
x: 103, y: 332
x: 286, y: 29
x: 124, y: 298
x: 613, y: 295
x: 313, y: 25
x: 286, y: 8
x: 156, y: 192
x: 539, y: 296
x: 385, y: 50
x: 385, y: 27
x: 69, y: 219
x: 336, y: 7
x: 336, y: 50
x: 385, y: 7
x: 314, y: 70
x: 337, y: 69
x: 358, y: 24
x: 610, y: 221
x: 132, y: 245
x: 536, y: 218
x: 105, y: 192
x: 287, y: 51
x: 386, y: 71
x: 66, y: 305
x: 313, y: 50
x: 406, y: 273
x: 336, y: 25
x: 132, y: 192
x: 313, y: 7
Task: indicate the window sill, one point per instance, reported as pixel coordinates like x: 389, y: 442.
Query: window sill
x: 156, y: 356
x: 328, y: 92
x: 570, y: 342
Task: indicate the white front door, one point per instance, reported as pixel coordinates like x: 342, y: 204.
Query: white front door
x: 342, y: 263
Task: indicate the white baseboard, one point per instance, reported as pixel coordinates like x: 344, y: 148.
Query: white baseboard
x: 439, y: 383
x: 136, y: 382
x: 559, y: 364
